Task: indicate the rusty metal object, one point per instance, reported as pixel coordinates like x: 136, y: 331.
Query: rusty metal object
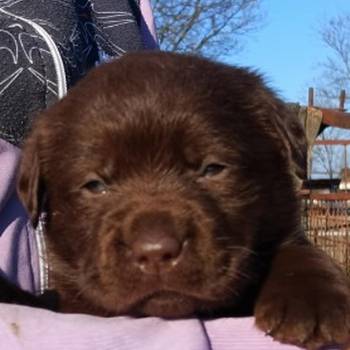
x: 311, y: 97
x: 342, y: 99
x: 333, y: 117
x: 332, y: 142
x: 326, y: 218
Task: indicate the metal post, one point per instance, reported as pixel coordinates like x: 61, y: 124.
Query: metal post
x: 311, y: 97
x: 342, y: 98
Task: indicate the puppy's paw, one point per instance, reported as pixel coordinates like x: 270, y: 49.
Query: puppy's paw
x: 307, y: 317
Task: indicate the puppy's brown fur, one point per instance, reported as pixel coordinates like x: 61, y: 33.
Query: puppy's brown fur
x: 203, y: 156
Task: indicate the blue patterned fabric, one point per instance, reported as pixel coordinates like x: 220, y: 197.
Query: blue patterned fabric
x: 83, y: 31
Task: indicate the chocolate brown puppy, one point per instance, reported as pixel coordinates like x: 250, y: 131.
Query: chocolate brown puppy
x: 171, y: 189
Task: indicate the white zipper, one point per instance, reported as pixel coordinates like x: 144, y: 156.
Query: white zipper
x: 42, y: 254
x: 57, y: 59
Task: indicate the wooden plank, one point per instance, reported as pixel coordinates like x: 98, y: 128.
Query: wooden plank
x: 332, y: 117
x: 335, y: 196
x: 332, y: 142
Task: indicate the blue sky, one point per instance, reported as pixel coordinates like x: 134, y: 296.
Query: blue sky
x: 288, y: 49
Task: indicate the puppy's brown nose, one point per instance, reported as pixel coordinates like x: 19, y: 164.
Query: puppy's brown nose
x: 155, y: 251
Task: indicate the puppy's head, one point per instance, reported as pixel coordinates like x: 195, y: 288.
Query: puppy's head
x: 165, y: 177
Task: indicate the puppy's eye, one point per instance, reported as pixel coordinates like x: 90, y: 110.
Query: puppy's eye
x: 212, y: 170
x: 96, y: 187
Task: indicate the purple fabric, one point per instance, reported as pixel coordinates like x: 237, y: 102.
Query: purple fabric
x: 148, y: 30
x: 23, y: 328
x: 18, y: 254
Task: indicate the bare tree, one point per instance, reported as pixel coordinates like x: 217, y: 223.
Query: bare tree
x: 335, y: 76
x: 329, y: 160
x: 336, y: 67
x: 209, y: 27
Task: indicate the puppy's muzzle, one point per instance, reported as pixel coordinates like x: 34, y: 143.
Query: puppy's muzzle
x: 155, y: 245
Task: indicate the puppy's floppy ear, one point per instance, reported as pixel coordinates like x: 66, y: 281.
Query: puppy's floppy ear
x: 293, y: 137
x: 285, y: 128
x: 29, y: 184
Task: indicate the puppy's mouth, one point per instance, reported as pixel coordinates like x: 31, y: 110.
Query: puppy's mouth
x: 165, y: 304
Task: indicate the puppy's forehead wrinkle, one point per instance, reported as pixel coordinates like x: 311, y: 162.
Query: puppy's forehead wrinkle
x: 153, y: 144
